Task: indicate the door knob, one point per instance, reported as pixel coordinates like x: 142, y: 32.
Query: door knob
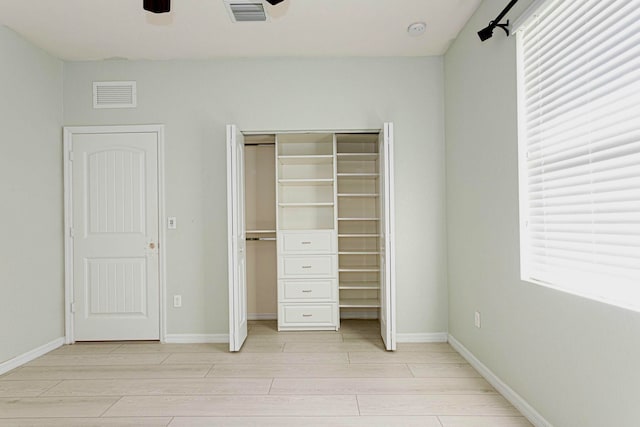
x: 152, y: 245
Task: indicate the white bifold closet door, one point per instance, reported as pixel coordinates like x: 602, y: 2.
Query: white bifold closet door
x: 387, y: 239
x: 236, y: 239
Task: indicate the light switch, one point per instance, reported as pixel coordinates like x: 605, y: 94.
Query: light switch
x: 172, y: 224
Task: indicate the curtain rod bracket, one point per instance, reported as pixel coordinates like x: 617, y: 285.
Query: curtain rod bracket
x: 487, y: 32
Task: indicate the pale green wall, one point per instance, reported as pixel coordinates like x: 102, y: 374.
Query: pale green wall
x: 196, y: 99
x: 575, y: 361
x: 31, y: 243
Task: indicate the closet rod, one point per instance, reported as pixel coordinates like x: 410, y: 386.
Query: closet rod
x: 260, y: 144
x: 254, y: 239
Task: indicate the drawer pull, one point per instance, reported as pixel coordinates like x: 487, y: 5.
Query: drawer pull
x: 307, y: 315
x: 306, y: 266
x: 306, y: 291
x: 305, y: 243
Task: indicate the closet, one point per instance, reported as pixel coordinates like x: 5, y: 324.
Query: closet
x: 310, y: 238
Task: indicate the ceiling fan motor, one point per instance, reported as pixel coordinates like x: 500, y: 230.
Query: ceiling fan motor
x: 157, y: 6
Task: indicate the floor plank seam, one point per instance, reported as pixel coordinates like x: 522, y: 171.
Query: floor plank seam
x: 117, y: 347
x: 49, y: 388
x: 165, y: 359
x: 206, y: 375
x: 358, y: 406
x: 110, y: 406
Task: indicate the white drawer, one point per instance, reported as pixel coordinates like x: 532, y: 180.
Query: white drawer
x: 307, y: 315
x: 316, y: 289
x: 308, y: 266
x: 299, y: 242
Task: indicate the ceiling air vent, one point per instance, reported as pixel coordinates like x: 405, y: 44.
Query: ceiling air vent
x: 246, y: 11
x: 114, y: 95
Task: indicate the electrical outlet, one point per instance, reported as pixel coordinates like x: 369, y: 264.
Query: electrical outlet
x: 177, y: 301
x: 477, y: 320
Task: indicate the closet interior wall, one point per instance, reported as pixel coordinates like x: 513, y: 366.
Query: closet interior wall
x: 260, y: 217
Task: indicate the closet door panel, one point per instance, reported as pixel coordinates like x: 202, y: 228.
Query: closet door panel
x: 387, y: 243
x: 236, y: 239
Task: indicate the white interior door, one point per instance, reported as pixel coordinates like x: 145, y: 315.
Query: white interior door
x: 387, y: 236
x: 237, y: 242
x: 115, y: 236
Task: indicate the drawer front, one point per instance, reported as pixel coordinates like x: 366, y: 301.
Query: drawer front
x: 310, y: 266
x: 299, y: 242
x: 307, y: 314
x: 308, y: 289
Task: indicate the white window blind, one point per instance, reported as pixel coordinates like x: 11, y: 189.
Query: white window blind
x: 579, y: 113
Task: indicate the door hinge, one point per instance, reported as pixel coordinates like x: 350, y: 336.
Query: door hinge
x: 71, y: 156
x: 72, y: 232
x: 72, y: 307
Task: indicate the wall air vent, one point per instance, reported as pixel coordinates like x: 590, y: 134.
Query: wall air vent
x: 246, y: 11
x: 114, y: 95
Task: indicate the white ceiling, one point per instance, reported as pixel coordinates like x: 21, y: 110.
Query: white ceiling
x: 101, y: 29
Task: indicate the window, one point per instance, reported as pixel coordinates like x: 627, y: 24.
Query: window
x: 579, y: 157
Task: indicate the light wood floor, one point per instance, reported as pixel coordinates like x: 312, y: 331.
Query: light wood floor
x: 310, y: 379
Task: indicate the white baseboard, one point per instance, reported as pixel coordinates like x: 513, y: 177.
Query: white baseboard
x: 422, y: 337
x: 30, y: 355
x: 514, y: 398
x: 262, y: 316
x: 196, y: 338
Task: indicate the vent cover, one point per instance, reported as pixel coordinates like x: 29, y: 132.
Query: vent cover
x: 246, y: 11
x: 114, y: 95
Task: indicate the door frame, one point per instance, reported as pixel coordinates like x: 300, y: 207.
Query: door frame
x: 391, y: 218
x: 68, y: 132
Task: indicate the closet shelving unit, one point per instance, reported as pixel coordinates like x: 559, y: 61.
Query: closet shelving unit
x: 358, y: 222
x: 306, y: 224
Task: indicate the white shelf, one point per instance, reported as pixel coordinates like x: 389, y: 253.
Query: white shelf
x: 260, y: 231
x: 356, y: 269
x: 358, y: 194
x: 358, y: 175
x: 359, y: 303
x: 375, y: 286
x: 358, y: 219
x: 306, y: 181
x: 306, y: 204
x: 358, y: 253
x: 313, y: 159
x: 357, y: 156
x: 358, y: 235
